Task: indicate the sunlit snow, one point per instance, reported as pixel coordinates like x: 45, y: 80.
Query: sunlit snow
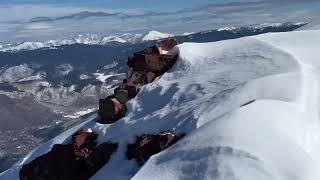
x: 275, y: 137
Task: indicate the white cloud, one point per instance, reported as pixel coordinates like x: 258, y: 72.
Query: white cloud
x: 37, y: 26
x: 25, y: 12
x: 198, y: 19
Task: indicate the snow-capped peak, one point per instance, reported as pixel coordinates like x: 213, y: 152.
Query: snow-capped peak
x: 87, y: 39
x: 131, y: 38
x: 188, y: 33
x: 108, y: 39
x: 155, y: 35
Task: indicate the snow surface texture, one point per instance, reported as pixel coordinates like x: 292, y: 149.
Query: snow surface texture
x: 275, y: 137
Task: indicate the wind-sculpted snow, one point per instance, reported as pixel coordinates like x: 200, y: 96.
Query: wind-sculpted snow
x: 275, y: 137
x: 203, y: 95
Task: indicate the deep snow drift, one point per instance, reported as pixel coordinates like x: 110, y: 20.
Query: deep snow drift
x: 275, y: 137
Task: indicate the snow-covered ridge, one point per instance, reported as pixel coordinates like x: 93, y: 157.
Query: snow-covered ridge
x: 313, y: 25
x: 264, y: 25
x: 260, y: 26
x: 81, y: 39
x: 275, y: 137
x: 227, y: 29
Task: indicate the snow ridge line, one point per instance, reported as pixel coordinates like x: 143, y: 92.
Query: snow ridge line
x: 307, y: 71
x: 302, y: 65
x: 308, y: 101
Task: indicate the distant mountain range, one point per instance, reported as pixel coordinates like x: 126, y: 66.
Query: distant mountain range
x: 86, y: 39
x: 129, y: 38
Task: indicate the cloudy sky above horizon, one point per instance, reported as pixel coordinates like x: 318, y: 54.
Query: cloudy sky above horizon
x: 32, y: 20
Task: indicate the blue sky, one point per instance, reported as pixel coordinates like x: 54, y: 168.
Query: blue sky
x: 31, y: 20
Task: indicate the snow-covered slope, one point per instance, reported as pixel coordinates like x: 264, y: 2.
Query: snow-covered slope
x: 275, y: 137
